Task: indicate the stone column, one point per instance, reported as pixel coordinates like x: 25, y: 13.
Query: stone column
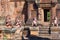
x: 53, y: 14
x: 29, y: 11
x: 40, y: 15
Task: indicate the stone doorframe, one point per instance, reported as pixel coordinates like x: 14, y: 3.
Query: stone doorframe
x: 41, y: 16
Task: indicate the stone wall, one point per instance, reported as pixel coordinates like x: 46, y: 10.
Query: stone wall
x: 15, y: 8
x: 8, y: 7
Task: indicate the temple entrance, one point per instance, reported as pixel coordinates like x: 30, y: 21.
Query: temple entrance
x: 46, y: 15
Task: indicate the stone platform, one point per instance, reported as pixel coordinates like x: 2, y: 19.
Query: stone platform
x: 43, y: 32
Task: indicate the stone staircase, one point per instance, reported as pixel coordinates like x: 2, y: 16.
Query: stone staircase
x: 40, y: 31
x: 52, y: 33
x: 44, y: 32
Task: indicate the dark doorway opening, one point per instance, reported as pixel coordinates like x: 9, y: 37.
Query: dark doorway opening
x: 46, y: 15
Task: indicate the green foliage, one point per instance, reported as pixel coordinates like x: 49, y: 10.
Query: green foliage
x: 48, y: 16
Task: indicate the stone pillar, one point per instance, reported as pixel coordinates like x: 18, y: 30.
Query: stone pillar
x: 51, y: 17
x: 30, y: 8
x: 53, y: 14
x: 29, y: 11
x: 40, y: 15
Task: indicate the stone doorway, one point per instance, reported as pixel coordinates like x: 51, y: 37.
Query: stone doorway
x: 46, y: 15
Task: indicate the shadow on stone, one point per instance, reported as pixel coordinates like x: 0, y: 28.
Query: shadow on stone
x: 33, y: 37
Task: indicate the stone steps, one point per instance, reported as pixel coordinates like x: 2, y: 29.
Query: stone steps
x: 55, y: 33
x: 44, y: 35
x: 43, y: 30
x: 40, y: 31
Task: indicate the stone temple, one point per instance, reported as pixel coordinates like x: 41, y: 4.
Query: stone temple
x: 43, y: 10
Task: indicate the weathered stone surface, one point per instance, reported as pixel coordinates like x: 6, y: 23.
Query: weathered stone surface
x: 8, y: 7
x: 35, y: 33
x: 44, y: 35
x: 34, y: 28
x: 55, y: 29
x: 15, y: 7
x: 54, y: 36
